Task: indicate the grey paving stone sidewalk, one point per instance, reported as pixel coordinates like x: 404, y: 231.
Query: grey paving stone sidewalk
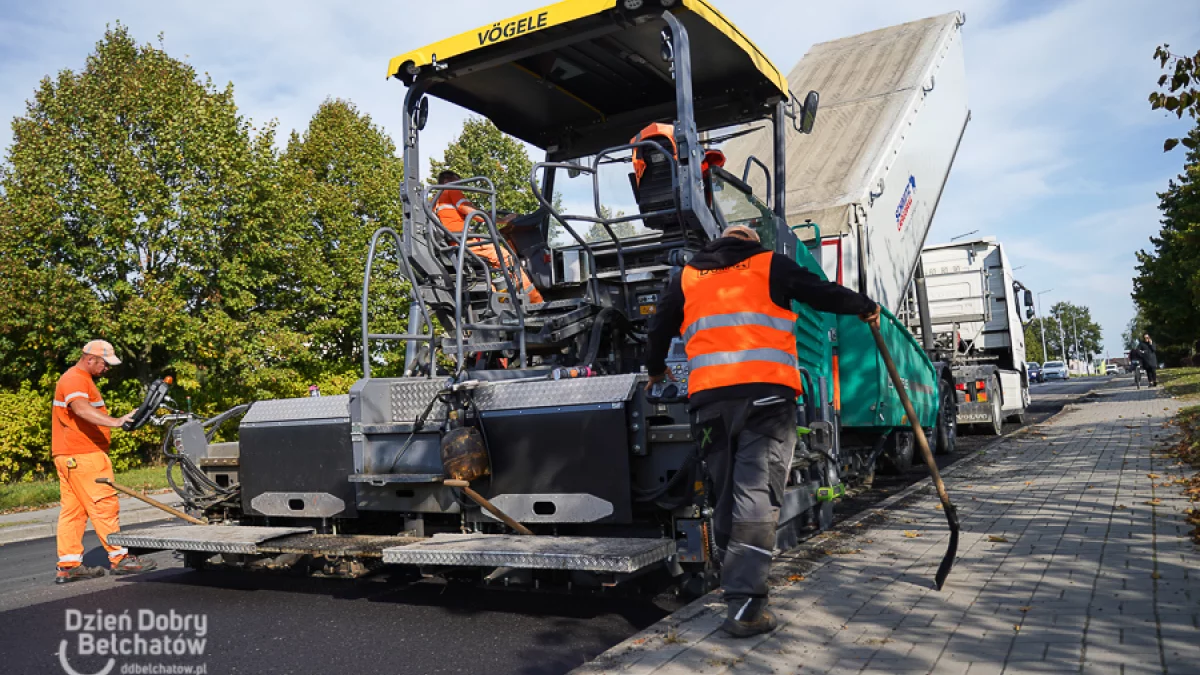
x: 1071, y: 560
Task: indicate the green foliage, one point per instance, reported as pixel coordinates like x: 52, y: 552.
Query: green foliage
x: 1179, y: 90
x: 483, y: 150
x: 621, y: 230
x: 1060, y: 331
x: 138, y: 206
x: 24, y: 433
x: 1134, y: 330
x: 1167, y: 286
x: 342, y: 176
x: 1033, y: 342
x: 32, y: 494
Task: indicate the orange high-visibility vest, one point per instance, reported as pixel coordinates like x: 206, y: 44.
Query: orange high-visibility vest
x: 733, y: 333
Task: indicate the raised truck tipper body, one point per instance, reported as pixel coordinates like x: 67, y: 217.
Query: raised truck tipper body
x: 862, y: 190
x: 511, y: 412
x: 975, y: 308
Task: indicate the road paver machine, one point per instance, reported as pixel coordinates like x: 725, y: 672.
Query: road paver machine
x: 517, y: 417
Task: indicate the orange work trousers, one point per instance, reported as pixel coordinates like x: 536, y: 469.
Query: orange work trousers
x: 488, y: 253
x: 83, y: 498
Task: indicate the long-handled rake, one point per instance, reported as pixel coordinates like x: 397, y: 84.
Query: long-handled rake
x: 923, y: 443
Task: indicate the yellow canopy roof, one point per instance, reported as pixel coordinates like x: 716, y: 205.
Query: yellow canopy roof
x: 578, y: 75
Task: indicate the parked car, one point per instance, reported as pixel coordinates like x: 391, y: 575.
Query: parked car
x: 1055, y: 370
x: 1115, y: 369
x: 1035, y: 372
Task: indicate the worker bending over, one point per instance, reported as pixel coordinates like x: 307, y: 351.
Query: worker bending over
x: 732, y: 305
x: 451, y: 208
x: 79, y: 442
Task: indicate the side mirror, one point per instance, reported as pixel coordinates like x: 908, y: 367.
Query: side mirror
x: 1029, y: 313
x: 808, y: 112
x: 1029, y: 299
x: 574, y: 172
x: 421, y: 114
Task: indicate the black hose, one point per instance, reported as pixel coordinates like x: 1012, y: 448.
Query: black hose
x: 684, y: 472
x: 597, y: 334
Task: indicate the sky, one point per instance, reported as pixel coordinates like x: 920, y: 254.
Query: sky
x: 1061, y: 162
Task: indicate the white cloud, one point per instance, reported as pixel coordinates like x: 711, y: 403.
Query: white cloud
x: 1061, y: 160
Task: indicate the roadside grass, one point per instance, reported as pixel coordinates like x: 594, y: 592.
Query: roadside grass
x: 1187, y: 451
x: 42, y: 493
x: 1182, y: 383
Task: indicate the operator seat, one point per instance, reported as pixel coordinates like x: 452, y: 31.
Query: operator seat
x: 651, y: 178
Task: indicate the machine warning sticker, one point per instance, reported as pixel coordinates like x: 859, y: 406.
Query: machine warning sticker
x: 906, y: 203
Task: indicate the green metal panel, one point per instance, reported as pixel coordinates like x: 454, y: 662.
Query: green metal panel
x: 869, y: 400
x: 814, y: 348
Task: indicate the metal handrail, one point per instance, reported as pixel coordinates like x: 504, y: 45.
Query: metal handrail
x: 606, y: 223
x: 509, y: 265
x: 367, y: 336
x: 509, y: 282
x: 767, y: 172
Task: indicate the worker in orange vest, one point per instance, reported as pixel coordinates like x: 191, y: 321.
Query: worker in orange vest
x: 79, y: 441
x: 732, y: 304
x: 451, y: 207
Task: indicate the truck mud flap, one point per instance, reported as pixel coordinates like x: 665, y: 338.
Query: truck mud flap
x: 208, y: 538
x: 592, y: 554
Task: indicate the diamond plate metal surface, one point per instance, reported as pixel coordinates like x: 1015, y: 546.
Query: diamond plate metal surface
x: 411, y: 396
x: 550, y: 393
x: 298, y: 409
x: 214, y: 538
x: 592, y: 554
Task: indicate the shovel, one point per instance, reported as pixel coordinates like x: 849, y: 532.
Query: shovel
x: 923, y: 443
x: 152, y: 502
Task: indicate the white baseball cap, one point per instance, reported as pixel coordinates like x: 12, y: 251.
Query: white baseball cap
x: 102, y: 349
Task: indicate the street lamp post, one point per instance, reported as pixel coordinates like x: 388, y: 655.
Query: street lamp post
x: 1074, y: 322
x: 1042, y: 323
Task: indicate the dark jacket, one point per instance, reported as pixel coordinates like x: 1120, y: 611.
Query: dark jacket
x: 788, y: 281
x: 1147, y: 353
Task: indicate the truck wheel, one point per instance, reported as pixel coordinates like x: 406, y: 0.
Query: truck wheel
x: 945, y: 435
x: 899, y: 452
x: 997, y: 425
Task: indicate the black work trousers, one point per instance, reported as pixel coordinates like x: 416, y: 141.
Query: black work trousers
x: 748, y: 447
x: 1152, y: 375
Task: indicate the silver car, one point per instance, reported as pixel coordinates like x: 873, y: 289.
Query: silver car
x: 1055, y: 370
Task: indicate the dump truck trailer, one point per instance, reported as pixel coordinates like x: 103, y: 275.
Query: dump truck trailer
x: 975, y: 308
x: 520, y: 445
x: 862, y: 191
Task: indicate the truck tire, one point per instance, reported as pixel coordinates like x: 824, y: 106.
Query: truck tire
x: 996, y: 427
x: 945, y: 434
x: 899, y: 451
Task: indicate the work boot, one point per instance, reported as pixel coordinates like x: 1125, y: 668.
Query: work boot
x: 749, y: 617
x: 65, y: 575
x: 131, y: 564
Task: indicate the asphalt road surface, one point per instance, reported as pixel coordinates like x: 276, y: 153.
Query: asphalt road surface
x: 263, y: 623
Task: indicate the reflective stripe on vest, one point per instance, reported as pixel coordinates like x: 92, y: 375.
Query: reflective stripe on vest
x: 737, y: 319
x: 733, y: 332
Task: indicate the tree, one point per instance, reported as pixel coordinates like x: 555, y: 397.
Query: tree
x: 1167, y: 286
x: 1179, y: 90
x: 622, y: 231
x: 140, y: 206
x: 1134, y: 330
x: 343, y: 179
x: 1066, y: 322
x: 483, y: 150
x: 1033, y: 341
